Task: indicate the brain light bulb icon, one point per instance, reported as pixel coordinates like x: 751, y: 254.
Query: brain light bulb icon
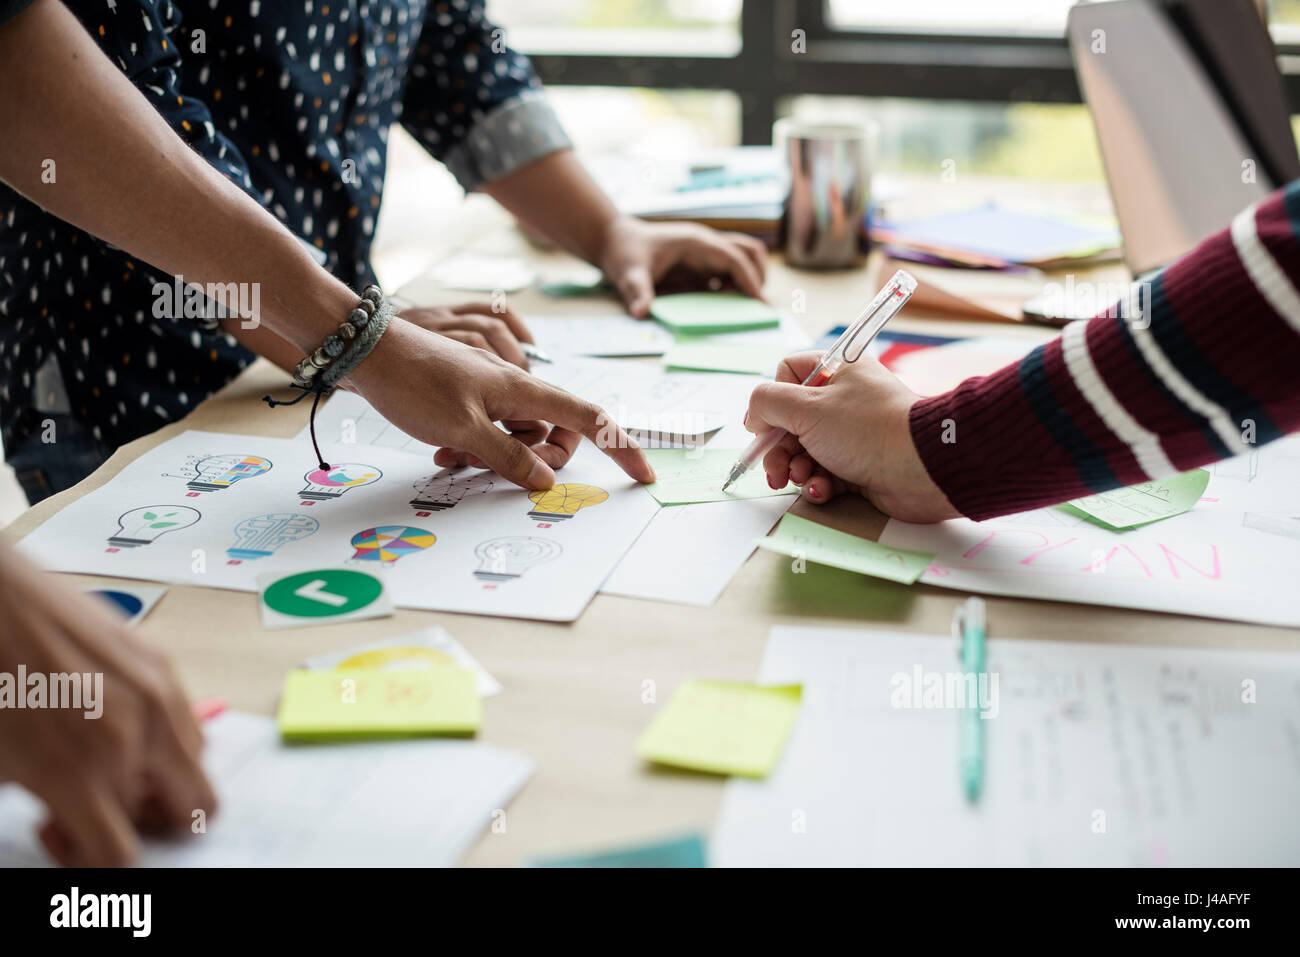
x: 561, y: 502
x: 445, y: 489
x: 505, y: 559
x: 387, y: 543
x: 143, y: 526
x: 216, y: 472
x: 261, y: 535
x: 326, y: 484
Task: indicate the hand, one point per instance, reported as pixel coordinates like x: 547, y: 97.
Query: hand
x: 638, y: 256
x: 450, y: 395
x: 476, y: 324
x: 104, y: 780
x: 849, y: 436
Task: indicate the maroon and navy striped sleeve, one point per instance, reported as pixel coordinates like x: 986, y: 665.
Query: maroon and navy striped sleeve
x: 1201, y: 363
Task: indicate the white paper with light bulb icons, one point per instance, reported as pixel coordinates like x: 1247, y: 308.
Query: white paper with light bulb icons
x: 218, y: 510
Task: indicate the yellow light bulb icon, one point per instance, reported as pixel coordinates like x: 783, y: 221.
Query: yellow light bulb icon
x: 562, y: 502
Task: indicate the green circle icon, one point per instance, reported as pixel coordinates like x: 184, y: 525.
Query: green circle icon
x: 322, y: 594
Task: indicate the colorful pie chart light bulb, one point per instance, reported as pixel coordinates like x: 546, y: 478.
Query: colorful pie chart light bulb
x: 385, y: 544
x: 216, y: 472
x: 445, y: 489
x: 143, y: 526
x: 561, y: 502
x: 261, y: 535
x: 505, y: 559
x: 330, y: 483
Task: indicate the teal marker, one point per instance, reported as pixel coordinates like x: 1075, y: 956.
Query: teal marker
x: 968, y: 627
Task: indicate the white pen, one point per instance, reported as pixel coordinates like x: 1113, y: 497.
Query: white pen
x: 848, y: 348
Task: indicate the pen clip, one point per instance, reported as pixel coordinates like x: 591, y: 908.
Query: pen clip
x: 865, y: 321
x: 959, y: 629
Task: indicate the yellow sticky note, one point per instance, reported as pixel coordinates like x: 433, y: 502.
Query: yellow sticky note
x: 377, y: 703
x: 723, y: 727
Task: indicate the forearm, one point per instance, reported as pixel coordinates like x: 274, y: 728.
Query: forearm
x: 109, y: 164
x: 1205, y: 372
x: 557, y: 198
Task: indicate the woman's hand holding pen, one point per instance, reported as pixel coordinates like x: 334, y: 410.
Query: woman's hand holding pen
x: 850, y: 435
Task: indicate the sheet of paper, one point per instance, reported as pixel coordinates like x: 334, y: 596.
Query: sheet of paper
x: 687, y: 851
x: 132, y: 601
x: 704, y: 312
x: 325, y: 705
x: 1208, y: 562
x: 647, y: 401
x: 722, y: 727
x: 721, y: 537
x: 599, y: 336
x: 478, y: 272
x: 448, y: 540
x: 688, y: 476
x: 1147, y: 502
x: 800, y: 538
x: 1097, y: 755
x: 707, y: 356
x: 416, y: 803
x: 431, y: 647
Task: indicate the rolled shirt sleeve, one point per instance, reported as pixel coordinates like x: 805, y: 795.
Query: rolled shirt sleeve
x: 473, y: 102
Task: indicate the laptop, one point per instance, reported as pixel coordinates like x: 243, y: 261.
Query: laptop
x: 1190, y: 113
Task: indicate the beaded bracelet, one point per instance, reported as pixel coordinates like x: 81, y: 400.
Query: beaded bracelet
x: 339, y: 355
x: 355, y: 338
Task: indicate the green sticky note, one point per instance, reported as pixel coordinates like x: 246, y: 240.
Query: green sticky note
x: 751, y: 358
x: 685, y: 851
x: 318, y: 705
x: 1148, y: 502
x: 800, y: 538
x: 704, y: 312
x: 723, y: 727
x: 687, y: 476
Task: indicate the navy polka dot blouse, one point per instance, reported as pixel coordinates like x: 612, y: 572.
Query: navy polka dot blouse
x: 290, y: 99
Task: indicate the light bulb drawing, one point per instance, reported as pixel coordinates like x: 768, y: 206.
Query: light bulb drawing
x: 387, y: 543
x: 216, y: 472
x: 561, y: 502
x: 445, y: 489
x: 505, y: 559
x: 143, y: 526
x: 261, y: 535
x: 330, y: 483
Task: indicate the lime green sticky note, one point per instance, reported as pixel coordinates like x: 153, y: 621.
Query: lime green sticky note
x: 703, y: 355
x: 376, y: 703
x: 687, y: 476
x: 800, y: 538
x: 1148, y: 502
x: 703, y: 312
x: 723, y: 727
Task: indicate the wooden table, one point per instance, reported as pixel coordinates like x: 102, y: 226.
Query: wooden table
x: 573, y: 697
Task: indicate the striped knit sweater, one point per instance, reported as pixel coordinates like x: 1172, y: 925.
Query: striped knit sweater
x: 1210, y: 368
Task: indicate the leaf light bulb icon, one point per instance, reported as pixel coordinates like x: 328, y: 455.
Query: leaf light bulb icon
x: 143, y: 526
x: 445, y: 489
x: 216, y: 472
x: 326, y: 484
x: 561, y: 502
x: 504, y: 559
x: 261, y: 535
x: 387, y: 543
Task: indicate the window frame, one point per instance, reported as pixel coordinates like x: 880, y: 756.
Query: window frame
x: 933, y: 66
